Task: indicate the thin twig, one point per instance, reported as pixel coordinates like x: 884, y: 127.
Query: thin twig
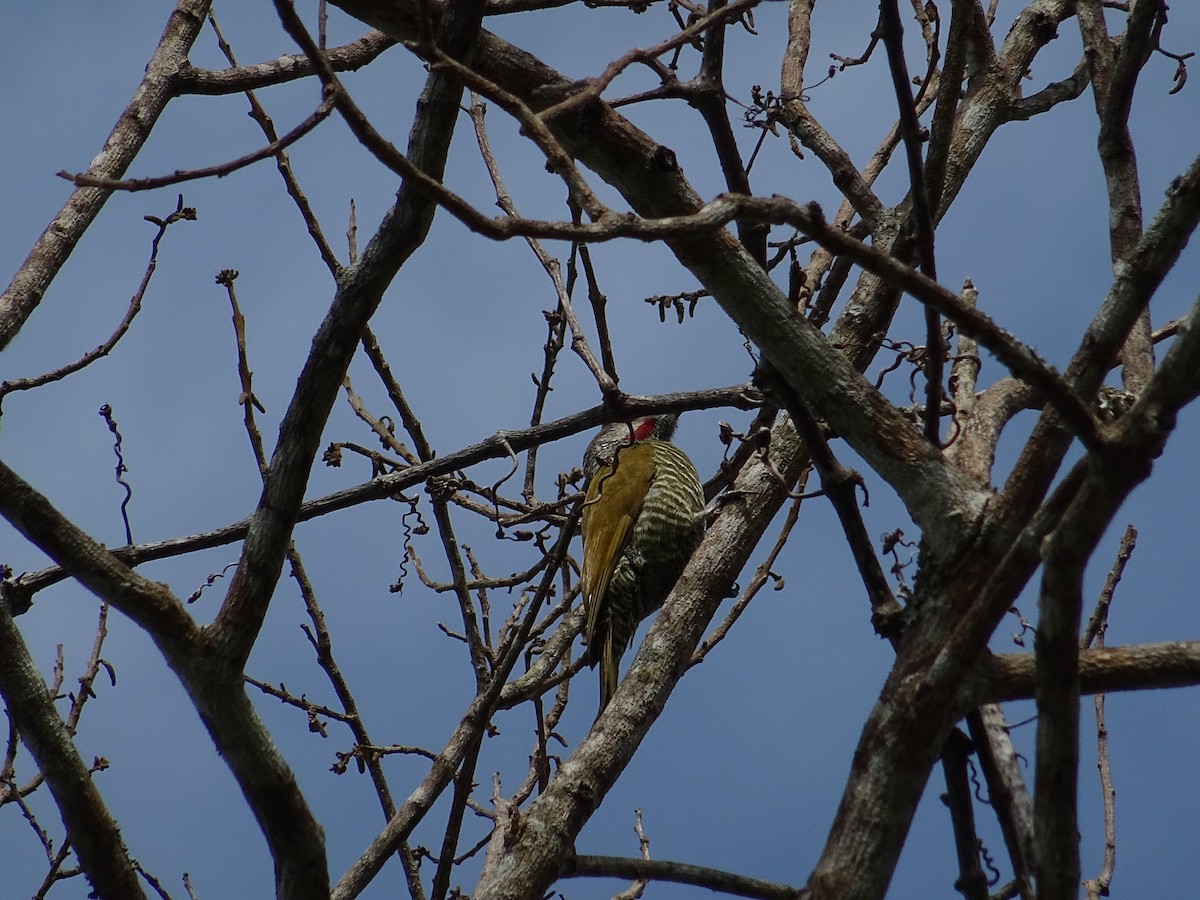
x: 579, y: 343
x: 638, y: 888
x: 219, y: 170
x: 910, y: 128
x: 284, y: 165
x: 1094, y: 636
x: 127, y: 138
x: 181, y: 213
x: 761, y: 576
x: 247, y: 400
x: 106, y: 413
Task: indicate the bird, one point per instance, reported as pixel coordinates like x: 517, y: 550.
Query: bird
x: 643, y: 517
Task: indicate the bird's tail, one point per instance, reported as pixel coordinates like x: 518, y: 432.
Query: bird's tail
x: 610, y: 661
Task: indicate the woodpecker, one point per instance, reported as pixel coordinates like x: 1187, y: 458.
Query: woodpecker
x: 643, y: 516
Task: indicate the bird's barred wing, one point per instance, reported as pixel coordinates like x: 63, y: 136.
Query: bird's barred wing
x: 613, y: 503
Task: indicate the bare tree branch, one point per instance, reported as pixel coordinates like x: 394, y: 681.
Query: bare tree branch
x: 347, y: 58
x: 358, y: 294
x: 1137, y: 667
x: 681, y: 873
x: 48, y: 255
x: 742, y: 396
x: 91, y: 829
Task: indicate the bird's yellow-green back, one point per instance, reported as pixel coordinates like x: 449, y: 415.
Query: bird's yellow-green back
x: 642, y: 519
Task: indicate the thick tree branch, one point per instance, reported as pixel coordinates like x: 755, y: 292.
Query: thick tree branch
x: 146, y: 602
x: 960, y: 605
x: 1135, y: 667
x: 91, y: 830
x: 294, y: 836
x: 1056, y: 651
x: 217, y: 693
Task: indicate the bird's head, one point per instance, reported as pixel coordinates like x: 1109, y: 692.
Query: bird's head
x: 616, y: 434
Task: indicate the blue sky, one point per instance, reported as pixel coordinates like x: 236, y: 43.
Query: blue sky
x: 746, y: 766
